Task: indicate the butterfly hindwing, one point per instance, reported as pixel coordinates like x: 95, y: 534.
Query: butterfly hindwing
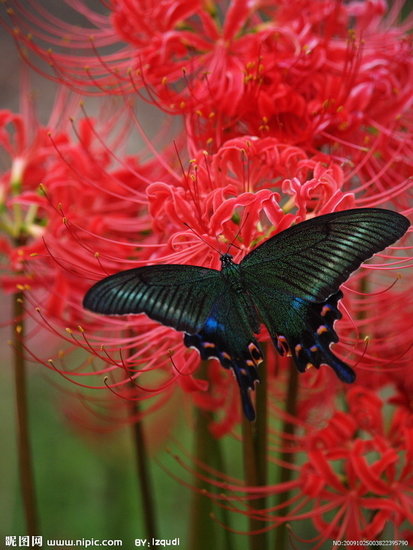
x: 228, y: 336
x: 312, y: 259
x: 304, y: 330
x: 179, y: 296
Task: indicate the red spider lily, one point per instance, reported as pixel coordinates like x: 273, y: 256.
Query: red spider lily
x: 63, y: 178
x: 245, y: 190
x: 263, y: 69
x: 208, y: 198
x: 263, y: 176
x: 90, y: 210
x: 353, y: 478
x: 29, y: 155
x: 374, y: 487
x: 95, y: 208
x: 288, y: 113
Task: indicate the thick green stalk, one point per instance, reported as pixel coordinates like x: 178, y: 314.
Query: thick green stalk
x: 255, y: 445
x: 143, y: 470
x: 285, y: 456
x: 23, y: 438
x: 144, y: 476
x: 203, y: 531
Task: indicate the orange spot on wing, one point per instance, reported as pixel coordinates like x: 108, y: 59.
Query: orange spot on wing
x: 325, y: 310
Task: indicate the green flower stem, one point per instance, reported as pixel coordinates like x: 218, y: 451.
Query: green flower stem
x: 24, y: 449
x: 202, y: 529
x: 204, y: 532
x: 144, y: 476
x: 285, y: 456
x: 255, y: 445
x: 142, y: 460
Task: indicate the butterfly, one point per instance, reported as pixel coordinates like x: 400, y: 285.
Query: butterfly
x: 290, y: 283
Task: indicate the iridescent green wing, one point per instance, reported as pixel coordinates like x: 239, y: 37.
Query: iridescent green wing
x: 312, y: 259
x: 178, y: 296
x: 294, y: 278
x: 217, y: 321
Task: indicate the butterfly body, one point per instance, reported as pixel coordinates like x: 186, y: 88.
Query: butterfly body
x: 227, y: 333
x: 290, y: 283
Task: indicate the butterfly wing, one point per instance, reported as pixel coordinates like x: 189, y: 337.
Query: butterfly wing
x: 197, y: 300
x: 312, y: 259
x: 304, y: 330
x: 228, y: 336
x: 179, y: 296
x: 299, y: 272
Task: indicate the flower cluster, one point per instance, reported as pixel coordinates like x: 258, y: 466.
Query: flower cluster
x: 354, y: 477
x: 287, y: 112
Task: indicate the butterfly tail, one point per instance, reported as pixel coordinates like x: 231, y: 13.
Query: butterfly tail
x: 326, y: 335
x: 246, y: 376
x: 342, y: 370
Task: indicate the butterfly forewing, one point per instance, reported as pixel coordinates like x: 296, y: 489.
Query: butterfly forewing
x: 312, y: 259
x: 180, y: 296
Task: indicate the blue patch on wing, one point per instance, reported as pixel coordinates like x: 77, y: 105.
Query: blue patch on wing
x: 242, y: 360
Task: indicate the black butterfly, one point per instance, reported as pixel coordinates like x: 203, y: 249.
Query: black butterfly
x: 290, y: 283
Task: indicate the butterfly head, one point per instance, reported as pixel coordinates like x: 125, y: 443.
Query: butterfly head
x: 226, y: 260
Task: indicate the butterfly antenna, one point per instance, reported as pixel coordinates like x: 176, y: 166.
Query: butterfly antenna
x: 201, y: 238
x: 237, y: 234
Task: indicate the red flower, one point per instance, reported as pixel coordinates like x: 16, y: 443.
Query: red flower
x: 352, y: 478
x: 63, y: 200
x: 374, y: 487
x: 288, y: 113
x: 261, y: 69
x: 24, y: 210
x: 223, y: 195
